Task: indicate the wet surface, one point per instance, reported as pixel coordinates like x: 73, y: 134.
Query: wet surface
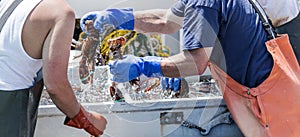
x: 99, y: 90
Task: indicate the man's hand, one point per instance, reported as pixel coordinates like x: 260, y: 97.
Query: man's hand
x: 88, y: 16
x: 131, y: 67
x: 178, y: 86
x: 117, y: 18
x: 172, y: 84
x: 91, y: 122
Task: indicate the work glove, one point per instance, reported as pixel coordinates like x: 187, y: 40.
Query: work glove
x: 118, y: 18
x: 172, y: 84
x: 91, y: 122
x: 131, y: 67
x: 88, y: 16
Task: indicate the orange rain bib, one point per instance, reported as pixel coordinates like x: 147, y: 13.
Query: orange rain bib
x: 273, y: 108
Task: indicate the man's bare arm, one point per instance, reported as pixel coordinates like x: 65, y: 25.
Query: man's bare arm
x: 186, y: 63
x: 56, y: 53
x: 157, y: 21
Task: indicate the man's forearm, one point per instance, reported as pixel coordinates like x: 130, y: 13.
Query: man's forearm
x: 187, y: 63
x: 157, y: 20
x: 65, y: 100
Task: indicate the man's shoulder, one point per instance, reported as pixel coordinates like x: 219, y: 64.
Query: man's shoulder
x: 62, y: 9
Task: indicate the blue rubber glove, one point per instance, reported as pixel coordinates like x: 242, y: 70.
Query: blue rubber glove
x: 118, y: 18
x: 88, y: 16
x: 131, y: 67
x: 172, y: 84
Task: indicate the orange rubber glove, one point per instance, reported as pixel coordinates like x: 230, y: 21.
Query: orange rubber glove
x: 91, y: 122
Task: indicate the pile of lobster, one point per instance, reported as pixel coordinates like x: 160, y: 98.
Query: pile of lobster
x: 97, y: 50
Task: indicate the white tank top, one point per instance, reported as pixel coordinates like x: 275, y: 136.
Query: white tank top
x: 280, y: 11
x: 17, y: 68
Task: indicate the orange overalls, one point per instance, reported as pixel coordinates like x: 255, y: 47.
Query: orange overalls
x: 273, y: 108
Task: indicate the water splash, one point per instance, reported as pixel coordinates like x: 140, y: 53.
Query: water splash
x: 99, y: 90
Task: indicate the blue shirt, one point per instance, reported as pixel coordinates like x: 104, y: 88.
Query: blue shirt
x: 236, y: 28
